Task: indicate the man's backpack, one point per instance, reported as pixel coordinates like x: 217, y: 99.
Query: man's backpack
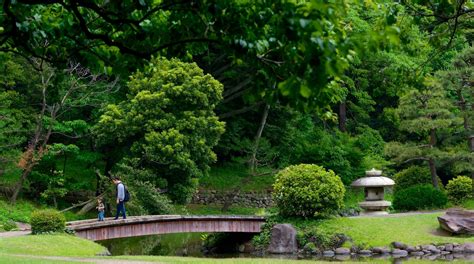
x: 127, y: 194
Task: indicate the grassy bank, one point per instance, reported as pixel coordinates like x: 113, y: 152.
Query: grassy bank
x: 381, y: 231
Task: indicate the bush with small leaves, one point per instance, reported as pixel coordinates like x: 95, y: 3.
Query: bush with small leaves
x: 47, y: 221
x: 308, y: 190
x: 412, y: 176
x: 459, y: 189
x: 419, y: 197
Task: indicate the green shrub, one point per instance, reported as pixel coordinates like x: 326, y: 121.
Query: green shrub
x: 412, y: 176
x: 419, y: 197
x: 308, y: 190
x: 262, y: 240
x: 459, y: 189
x: 9, y: 225
x: 151, y: 200
x: 47, y: 221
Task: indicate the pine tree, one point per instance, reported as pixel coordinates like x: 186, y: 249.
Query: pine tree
x: 423, y: 114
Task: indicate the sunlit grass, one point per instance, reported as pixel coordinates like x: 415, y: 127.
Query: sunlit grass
x: 49, y: 245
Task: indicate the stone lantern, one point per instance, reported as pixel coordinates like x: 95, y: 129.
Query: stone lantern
x: 374, y: 184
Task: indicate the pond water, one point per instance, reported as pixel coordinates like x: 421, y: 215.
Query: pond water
x: 191, y: 244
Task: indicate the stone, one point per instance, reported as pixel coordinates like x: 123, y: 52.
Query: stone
x: 445, y: 252
x: 429, y: 247
x: 411, y: 249
x: 342, y: 251
x: 457, y: 221
x: 399, y: 252
x: 441, y: 248
x: 328, y: 253
x: 417, y: 253
x: 365, y: 252
x: 283, y: 239
x: 399, y: 245
x: 106, y: 252
x: 468, y: 247
x: 380, y: 250
x: 342, y: 257
x: 457, y: 249
x: 448, y: 247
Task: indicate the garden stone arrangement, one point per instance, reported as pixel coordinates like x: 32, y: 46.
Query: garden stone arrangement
x: 397, y: 250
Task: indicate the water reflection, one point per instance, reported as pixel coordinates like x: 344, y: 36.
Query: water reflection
x: 191, y: 244
x: 181, y: 244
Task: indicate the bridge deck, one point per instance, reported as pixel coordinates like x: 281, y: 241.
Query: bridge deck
x: 164, y: 224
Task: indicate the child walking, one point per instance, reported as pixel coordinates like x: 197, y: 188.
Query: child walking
x: 101, y: 208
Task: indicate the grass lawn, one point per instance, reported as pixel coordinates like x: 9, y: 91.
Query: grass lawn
x: 381, y: 231
x: 235, y: 175
x: 50, y: 245
x: 28, y: 260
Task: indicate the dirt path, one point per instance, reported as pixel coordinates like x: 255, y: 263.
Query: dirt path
x: 14, y: 233
x: 85, y: 260
x: 399, y: 214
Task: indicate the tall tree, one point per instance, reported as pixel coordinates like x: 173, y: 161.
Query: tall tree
x: 423, y: 113
x: 167, y: 124
x: 458, y: 80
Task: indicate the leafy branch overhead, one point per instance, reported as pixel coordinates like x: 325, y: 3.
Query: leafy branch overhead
x: 301, y: 46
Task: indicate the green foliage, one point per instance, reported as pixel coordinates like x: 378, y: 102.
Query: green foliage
x: 152, y: 201
x: 322, y: 239
x: 412, y: 176
x: 262, y: 240
x: 20, y: 212
x: 459, y: 189
x: 47, y: 221
x: 308, y: 190
x: 55, y: 188
x: 419, y: 197
x: 304, y: 141
x: 168, y: 122
x: 9, y: 225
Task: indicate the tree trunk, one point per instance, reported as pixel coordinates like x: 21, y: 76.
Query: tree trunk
x: 87, y: 207
x: 253, y: 159
x: 19, y: 184
x: 431, y: 162
x: 432, y: 137
x: 434, y: 175
x: 342, y: 116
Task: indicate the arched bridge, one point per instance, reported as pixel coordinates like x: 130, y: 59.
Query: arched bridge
x: 164, y: 224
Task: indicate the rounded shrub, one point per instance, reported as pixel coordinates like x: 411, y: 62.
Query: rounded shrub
x: 412, y: 176
x: 423, y: 196
x: 47, y: 221
x: 459, y: 189
x: 307, y: 190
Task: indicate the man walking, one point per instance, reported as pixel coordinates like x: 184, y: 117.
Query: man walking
x: 120, y: 198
